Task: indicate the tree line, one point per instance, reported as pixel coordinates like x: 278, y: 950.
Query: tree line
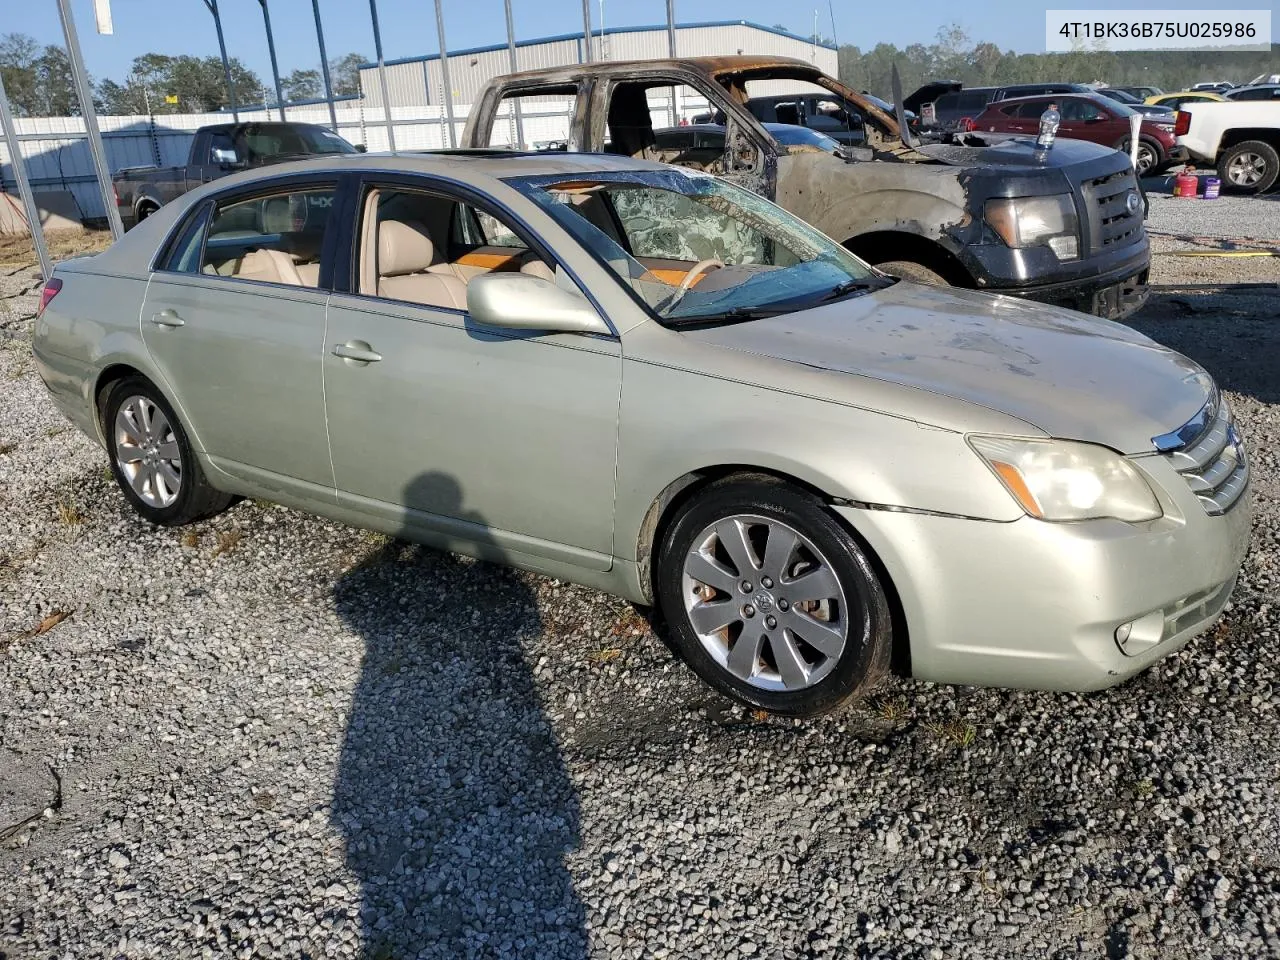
x: 38, y: 79
x: 954, y: 56
x: 38, y: 82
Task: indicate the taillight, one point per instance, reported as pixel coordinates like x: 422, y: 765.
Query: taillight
x: 48, y: 293
x: 1181, y: 123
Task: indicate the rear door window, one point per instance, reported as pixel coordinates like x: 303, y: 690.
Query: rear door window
x: 270, y: 238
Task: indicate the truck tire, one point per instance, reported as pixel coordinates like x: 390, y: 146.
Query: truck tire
x: 1249, y: 167
x: 145, y: 209
x: 915, y: 272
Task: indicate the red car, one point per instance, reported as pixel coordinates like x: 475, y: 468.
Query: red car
x: 1087, y: 116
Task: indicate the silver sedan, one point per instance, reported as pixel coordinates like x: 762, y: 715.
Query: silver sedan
x: 650, y: 381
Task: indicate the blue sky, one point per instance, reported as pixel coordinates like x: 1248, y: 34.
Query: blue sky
x: 408, y: 26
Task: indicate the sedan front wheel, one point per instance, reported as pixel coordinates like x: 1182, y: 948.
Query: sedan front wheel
x: 769, y: 598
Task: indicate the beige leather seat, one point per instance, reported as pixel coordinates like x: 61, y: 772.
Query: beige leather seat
x: 271, y: 266
x: 537, y: 267
x: 405, y: 253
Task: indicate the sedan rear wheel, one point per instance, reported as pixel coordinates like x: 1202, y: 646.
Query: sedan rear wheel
x: 770, y: 600
x: 151, y: 457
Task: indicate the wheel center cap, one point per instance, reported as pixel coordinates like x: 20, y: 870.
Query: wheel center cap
x: 763, y: 601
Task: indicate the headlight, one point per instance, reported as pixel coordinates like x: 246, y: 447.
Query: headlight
x: 1035, y: 222
x: 1065, y: 480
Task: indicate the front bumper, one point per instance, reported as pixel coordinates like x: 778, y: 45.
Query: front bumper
x: 1036, y: 605
x: 1110, y: 286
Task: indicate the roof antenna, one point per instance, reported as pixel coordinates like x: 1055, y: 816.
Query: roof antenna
x: 904, y: 131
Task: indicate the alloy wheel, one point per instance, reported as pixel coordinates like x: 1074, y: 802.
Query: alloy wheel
x: 765, y: 602
x: 1246, y: 169
x: 147, y: 453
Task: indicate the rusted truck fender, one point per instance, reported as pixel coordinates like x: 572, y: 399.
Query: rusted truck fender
x: 848, y: 201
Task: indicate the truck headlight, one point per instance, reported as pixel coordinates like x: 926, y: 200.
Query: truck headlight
x: 1066, y: 480
x: 1036, y: 222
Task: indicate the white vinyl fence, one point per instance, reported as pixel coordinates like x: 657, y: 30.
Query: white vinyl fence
x: 57, y: 152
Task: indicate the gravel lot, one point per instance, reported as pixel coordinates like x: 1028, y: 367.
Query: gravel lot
x: 270, y: 735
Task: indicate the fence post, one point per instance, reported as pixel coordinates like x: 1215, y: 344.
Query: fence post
x: 24, y: 185
x: 81, y: 78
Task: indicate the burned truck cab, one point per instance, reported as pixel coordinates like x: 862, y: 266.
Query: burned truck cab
x: 994, y: 213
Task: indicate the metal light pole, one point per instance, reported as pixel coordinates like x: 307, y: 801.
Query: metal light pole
x: 226, y: 64
x: 324, y: 67
x: 444, y: 73
x: 85, y: 95
x: 382, y: 75
x: 586, y: 31
x: 511, y: 51
x: 24, y: 185
x: 271, y: 49
x: 671, y: 52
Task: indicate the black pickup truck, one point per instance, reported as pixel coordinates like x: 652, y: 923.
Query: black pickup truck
x: 215, y: 152
x: 991, y: 212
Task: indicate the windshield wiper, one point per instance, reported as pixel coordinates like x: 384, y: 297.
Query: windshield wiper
x: 730, y: 315
x: 848, y: 287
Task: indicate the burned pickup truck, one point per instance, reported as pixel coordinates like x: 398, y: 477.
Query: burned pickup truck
x: 1062, y: 226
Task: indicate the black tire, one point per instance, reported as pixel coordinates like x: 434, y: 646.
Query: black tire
x: 865, y: 656
x: 195, y: 499
x: 915, y: 272
x: 1234, y: 172
x: 1151, y: 155
x: 145, y: 210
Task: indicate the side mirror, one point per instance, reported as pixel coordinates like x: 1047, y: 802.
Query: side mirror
x: 361, y: 148
x: 227, y: 159
x: 520, y: 301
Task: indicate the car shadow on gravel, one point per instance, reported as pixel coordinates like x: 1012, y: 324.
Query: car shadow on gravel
x: 1234, y: 334
x: 451, y: 794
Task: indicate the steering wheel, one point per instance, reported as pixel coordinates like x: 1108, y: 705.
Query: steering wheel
x: 698, y: 269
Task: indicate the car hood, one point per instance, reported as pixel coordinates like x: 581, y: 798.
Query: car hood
x: 1072, y: 376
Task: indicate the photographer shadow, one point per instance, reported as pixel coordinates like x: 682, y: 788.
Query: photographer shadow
x: 451, y: 794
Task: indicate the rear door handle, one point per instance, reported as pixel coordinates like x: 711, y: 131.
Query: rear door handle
x: 356, y: 353
x: 167, y: 318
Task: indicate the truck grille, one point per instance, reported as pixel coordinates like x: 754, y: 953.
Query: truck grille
x: 1111, y: 224
x: 1210, y: 456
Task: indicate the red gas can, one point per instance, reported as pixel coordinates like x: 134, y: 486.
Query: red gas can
x: 1187, y: 185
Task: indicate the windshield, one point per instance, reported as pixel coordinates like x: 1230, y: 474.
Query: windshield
x: 265, y: 142
x: 1120, y: 96
x: 693, y: 247
x: 790, y: 135
x: 1120, y: 109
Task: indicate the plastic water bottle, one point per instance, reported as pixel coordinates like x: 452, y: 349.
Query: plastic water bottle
x: 1050, y: 120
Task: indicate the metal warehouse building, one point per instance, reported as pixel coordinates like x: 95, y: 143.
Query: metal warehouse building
x: 415, y: 81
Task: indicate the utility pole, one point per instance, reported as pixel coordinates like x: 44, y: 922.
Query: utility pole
x: 226, y: 64
x: 444, y: 74
x: 382, y: 75
x: 586, y: 31
x: 671, y: 52
x: 24, y: 185
x: 81, y: 78
x: 271, y: 49
x: 511, y: 53
x: 324, y: 67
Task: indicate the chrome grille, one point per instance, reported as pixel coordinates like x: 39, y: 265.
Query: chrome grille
x: 1210, y: 456
x: 1111, y: 225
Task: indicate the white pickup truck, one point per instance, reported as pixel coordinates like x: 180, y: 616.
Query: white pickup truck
x: 1241, y: 139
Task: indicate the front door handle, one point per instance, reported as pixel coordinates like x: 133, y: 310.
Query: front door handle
x: 167, y: 318
x: 356, y: 353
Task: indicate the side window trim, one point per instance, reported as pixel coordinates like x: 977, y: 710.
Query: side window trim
x: 164, y: 262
